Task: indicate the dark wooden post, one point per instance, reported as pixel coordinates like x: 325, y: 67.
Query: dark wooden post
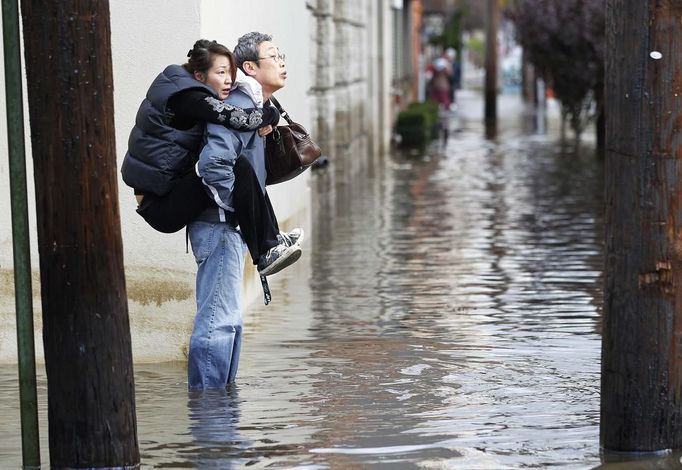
x: 600, y: 122
x: 642, y: 334
x: 492, y: 25
x: 91, y: 405
x: 528, y: 93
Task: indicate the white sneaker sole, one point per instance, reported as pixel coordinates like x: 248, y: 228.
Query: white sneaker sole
x: 289, y: 257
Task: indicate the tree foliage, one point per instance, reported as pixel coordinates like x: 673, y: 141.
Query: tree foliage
x: 564, y: 40
x: 452, y: 33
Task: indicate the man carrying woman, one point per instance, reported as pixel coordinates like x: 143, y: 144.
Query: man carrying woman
x: 214, y: 200
x: 230, y: 159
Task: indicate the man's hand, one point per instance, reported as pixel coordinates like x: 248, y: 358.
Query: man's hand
x: 265, y: 130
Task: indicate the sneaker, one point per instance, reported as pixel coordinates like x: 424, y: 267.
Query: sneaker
x: 294, y: 237
x: 278, y: 258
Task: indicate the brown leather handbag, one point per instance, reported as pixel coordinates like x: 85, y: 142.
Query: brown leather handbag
x: 289, y: 150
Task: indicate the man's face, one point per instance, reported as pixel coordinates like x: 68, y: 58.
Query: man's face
x: 270, y: 70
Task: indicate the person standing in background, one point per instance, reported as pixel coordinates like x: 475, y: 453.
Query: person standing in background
x: 455, y: 74
x: 439, y: 87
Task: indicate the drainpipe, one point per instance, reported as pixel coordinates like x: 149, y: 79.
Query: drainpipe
x: 20, y: 236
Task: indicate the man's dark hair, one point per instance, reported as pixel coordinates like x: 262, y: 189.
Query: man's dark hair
x: 247, y: 47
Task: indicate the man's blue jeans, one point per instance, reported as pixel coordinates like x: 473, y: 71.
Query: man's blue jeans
x: 216, y: 338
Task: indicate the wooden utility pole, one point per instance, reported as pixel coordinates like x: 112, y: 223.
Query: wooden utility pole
x: 86, y: 334
x: 641, y: 398
x: 491, y: 27
x: 527, y: 80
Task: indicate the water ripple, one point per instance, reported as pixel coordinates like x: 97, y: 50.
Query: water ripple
x: 446, y: 314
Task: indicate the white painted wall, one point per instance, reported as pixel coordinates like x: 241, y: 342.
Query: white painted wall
x: 160, y: 273
x: 139, y: 54
x: 147, y: 36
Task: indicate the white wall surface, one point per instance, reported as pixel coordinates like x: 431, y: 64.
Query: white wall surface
x: 146, y: 36
x: 339, y: 75
x: 160, y: 273
x: 141, y: 51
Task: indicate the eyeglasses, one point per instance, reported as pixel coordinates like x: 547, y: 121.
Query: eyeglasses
x: 279, y: 57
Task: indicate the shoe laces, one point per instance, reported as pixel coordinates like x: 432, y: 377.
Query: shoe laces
x: 291, y: 238
x: 285, y: 239
x: 278, y: 250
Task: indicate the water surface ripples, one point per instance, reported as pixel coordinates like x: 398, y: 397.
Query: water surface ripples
x: 445, y: 315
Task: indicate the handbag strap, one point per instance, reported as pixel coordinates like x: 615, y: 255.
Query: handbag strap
x: 281, y: 110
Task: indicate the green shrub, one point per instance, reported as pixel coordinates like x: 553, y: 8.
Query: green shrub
x: 416, y: 124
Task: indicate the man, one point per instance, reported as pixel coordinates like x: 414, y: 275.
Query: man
x: 232, y: 166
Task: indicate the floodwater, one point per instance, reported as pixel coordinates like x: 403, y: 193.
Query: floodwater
x: 445, y: 315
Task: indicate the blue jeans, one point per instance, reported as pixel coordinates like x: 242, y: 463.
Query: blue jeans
x: 217, y: 335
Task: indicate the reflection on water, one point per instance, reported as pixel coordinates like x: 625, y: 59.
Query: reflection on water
x: 445, y: 315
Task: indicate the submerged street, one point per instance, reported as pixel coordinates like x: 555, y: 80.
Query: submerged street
x: 445, y: 314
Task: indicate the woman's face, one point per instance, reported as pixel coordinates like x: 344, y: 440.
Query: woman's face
x: 218, y: 76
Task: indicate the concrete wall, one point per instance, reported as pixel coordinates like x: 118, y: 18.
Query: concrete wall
x: 159, y: 272
x: 338, y: 86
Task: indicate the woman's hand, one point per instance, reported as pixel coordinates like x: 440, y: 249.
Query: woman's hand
x: 265, y: 130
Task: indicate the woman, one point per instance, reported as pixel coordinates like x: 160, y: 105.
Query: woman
x: 439, y: 87
x: 270, y: 250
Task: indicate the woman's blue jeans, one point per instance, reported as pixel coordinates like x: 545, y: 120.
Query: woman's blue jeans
x: 216, y: 338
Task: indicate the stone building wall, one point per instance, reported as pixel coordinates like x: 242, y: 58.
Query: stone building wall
x: 349, y: 88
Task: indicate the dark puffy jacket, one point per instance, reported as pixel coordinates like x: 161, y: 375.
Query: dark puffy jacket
x: 158, y: 153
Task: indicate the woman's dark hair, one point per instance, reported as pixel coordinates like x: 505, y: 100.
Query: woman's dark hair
x: 200, y: 58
